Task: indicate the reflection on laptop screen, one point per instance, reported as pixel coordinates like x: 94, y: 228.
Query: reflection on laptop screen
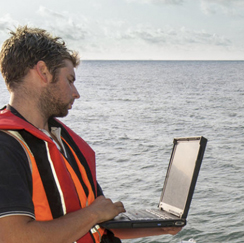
x: 181, y: 173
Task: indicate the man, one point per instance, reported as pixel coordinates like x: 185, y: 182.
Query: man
x: 48, y: 187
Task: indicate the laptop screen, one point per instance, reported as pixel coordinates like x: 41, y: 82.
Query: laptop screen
x: 179, y: 176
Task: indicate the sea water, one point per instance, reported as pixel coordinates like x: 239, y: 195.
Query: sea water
x: 130, y: 111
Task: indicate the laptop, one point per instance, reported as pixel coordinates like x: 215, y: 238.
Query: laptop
x: 176, y: 196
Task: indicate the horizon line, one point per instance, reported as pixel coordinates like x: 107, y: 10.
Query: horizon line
x: 167, y: 60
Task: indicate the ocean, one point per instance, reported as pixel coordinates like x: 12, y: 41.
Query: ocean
x: 130, y: 111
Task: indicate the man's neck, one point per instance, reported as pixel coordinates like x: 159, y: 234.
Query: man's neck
x: 30, y: 113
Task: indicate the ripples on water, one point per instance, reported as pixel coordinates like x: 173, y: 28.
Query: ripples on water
x: 129, y: 112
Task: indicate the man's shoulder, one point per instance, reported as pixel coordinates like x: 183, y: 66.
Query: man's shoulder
x: 6, y: 137
x: 12, y: 152
x: 8, y: 141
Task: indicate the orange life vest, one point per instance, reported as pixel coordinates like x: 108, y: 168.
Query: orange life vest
x: 60, y: 191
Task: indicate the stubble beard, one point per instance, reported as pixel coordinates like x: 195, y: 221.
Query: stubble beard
x: 50, y: 106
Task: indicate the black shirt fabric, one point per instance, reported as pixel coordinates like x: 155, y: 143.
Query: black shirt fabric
x: 16, y: 178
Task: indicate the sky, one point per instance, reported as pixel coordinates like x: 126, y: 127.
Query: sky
x: 136, y: 29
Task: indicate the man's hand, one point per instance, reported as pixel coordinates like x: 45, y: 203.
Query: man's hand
x: 105, y: 209
x: 171, y: 230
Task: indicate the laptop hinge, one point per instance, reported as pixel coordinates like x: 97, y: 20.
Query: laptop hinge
x: 166, y: 208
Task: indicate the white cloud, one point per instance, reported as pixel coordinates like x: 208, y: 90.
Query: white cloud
x: 169, y: 36
x: 64, y: 24
x: 73, y: 29
x: 227, y: 7
x: 7, y: 23
x: 45, y: 12
x: 159, y: 2
x: 119, y: 37
x: 227, y: 2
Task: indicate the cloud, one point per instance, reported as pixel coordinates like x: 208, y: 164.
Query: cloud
x: 147, y: 34
x: 159, y: 2
x: 45, y: 12
x: 202, y: 37
x: 226, y: 7
x: 226, y: 2
x: 73, y: 29
x: 114, y: 38
x: 79, y: 32
x: 64, y: 24
x: 7, y: 23
x: 169, y: 36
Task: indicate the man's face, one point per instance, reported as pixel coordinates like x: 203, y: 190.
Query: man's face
x: 58, y: 97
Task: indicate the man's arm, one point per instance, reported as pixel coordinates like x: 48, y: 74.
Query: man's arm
x: 144, y: 232
x: 68, y: 228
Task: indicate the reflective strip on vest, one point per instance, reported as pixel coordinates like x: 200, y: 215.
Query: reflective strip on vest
x: 56, y: 180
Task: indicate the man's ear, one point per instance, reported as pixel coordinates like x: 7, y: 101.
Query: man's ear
x: 43, y: 71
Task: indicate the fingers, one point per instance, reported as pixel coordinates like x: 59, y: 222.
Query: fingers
x: 106, y: 209
x: 172, y: 230
x: 120, y: 206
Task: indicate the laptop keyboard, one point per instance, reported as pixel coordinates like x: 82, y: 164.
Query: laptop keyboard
x: 159, y: 214
x: 148, y: 214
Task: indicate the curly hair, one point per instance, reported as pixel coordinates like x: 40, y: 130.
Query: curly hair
x: 26, y: 47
